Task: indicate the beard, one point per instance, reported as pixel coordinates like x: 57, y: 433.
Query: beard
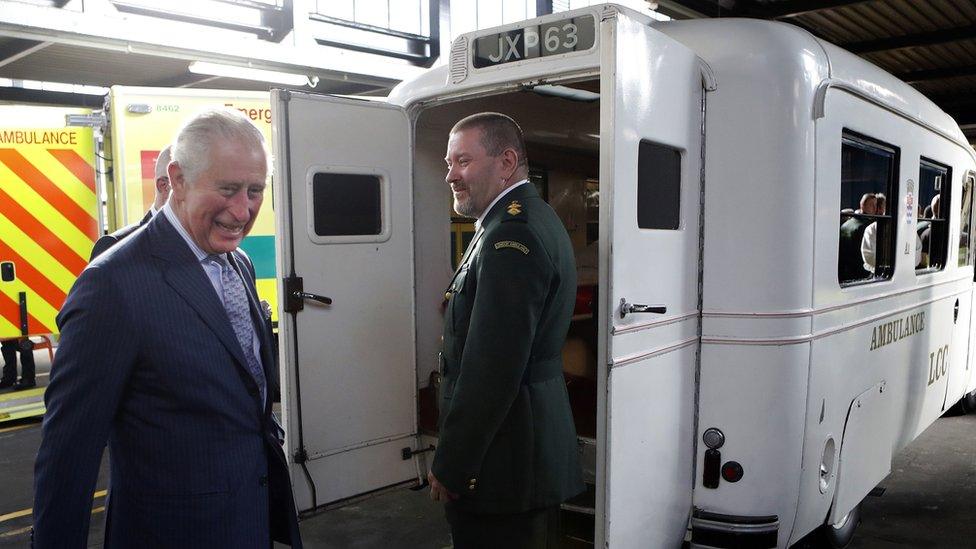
x: 466, y: 208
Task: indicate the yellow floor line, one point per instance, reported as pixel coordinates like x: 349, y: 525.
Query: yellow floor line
x: 26, y: 529
x: 19, y: 427
x: 16, y: 532
x: 15, y: 514
x: 25, y: 512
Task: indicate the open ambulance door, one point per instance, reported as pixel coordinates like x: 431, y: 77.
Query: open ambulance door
x: 650, y: 160
x: 343, y: 198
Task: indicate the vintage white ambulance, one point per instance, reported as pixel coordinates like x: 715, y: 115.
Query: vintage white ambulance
x: 802, y: 216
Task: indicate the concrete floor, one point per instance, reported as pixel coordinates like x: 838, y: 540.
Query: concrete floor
x: 929, y: 500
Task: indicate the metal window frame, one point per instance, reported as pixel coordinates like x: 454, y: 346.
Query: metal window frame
x: 418, y: 49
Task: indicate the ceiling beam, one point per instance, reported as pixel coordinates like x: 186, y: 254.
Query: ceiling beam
x: 931, y: 38
x: 23, y: 95
x: 16, y: 54
x: 787, y: 9
x: 693, y: 9
x: 913, y: 77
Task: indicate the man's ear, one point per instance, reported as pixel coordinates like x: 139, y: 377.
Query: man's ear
x: 510, y: 162
x: 162, y: 184
x: 176, y: 179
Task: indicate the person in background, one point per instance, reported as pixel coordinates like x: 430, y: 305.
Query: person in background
x: 162, y: 194
x: 850, y: 265
x: 507, y: 452
x: 9, y: 349
x: 164, y: 357
x: 924, y: 230
x: 869, y: 242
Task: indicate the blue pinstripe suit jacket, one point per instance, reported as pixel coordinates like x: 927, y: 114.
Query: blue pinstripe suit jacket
x: 148, y: 362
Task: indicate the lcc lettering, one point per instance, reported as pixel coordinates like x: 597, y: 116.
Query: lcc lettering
x: 938, y: 364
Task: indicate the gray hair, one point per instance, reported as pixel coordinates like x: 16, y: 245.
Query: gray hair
x: 191, y: 150
x: 162, y: 162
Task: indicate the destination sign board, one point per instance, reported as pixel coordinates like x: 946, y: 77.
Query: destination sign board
x: 546, y: 39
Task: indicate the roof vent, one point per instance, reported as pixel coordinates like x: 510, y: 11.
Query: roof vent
x: 459, y: 60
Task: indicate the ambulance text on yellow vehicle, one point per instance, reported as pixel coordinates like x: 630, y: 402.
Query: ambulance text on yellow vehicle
x: 49, y: 215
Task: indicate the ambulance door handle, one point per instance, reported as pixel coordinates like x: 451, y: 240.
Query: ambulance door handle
x: 314, y: 297
x: 295, y: 295
x: 628, y: 308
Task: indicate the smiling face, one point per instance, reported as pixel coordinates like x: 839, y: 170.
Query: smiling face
x: 476, y: 177
x: 219, y: 206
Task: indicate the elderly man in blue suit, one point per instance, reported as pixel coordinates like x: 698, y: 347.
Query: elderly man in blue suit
x: 164, y: 356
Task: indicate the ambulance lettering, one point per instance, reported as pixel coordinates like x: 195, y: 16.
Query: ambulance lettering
x: 938, y: 364
x: 894, y: 330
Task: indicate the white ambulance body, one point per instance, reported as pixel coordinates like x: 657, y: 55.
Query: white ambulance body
x: 769, y: 399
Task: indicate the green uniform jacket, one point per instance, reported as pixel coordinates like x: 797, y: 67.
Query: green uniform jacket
x: 507, y: 439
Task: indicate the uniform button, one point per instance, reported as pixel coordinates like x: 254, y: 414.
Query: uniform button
x: 471, y: 487
x: 263, y: 480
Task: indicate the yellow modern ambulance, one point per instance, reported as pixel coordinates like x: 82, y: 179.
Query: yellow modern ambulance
x: 141, y: 122
x: 49, y: 214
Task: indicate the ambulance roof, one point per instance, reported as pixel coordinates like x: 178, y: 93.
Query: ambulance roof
x: 726, y: 43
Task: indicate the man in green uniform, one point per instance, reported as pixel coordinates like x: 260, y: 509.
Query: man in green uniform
x: 507, y: 454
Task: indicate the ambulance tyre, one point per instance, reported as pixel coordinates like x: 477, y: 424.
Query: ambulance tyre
x: 840, y: 535
x: 968, y: 403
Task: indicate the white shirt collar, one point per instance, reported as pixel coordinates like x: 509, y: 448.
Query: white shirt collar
x: 477, y: 224
x: 175, y: 222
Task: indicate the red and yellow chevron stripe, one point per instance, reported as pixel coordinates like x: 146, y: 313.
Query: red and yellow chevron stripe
x: 48, y: 221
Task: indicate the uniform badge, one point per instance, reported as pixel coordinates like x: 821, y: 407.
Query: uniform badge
x: 512, y: 244
x: 514, y: 208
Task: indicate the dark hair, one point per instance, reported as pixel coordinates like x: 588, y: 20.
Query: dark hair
x: 498, y: 132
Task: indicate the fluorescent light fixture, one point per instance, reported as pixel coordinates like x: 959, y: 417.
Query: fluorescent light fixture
x: 248, y: 73
x: 52, y: 86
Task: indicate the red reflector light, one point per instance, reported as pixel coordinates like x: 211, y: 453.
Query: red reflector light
x: 732, y: 471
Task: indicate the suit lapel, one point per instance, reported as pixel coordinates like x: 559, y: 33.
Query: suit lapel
x: 186, y: 277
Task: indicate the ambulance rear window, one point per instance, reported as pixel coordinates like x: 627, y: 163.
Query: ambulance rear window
x: 658, y: 186
x: 346, y: 204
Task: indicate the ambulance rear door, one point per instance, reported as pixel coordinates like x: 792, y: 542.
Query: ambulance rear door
x: 344, y: 204
x: 650, y: 165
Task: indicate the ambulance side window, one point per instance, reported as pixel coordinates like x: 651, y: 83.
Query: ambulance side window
x: 658, y: 186
x: 932, y: 224
x: 868, y: 201
x: 346, y: 204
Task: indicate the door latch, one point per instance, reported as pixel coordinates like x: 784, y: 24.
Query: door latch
x: 628, y: 308
x: 295, y: 295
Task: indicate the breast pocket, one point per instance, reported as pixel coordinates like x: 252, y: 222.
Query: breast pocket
x: 461, y: 301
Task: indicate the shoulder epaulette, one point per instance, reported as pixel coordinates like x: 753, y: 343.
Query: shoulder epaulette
x: 514, y: 212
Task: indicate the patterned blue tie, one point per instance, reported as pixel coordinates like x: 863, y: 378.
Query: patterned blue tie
x: 238, y: 311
